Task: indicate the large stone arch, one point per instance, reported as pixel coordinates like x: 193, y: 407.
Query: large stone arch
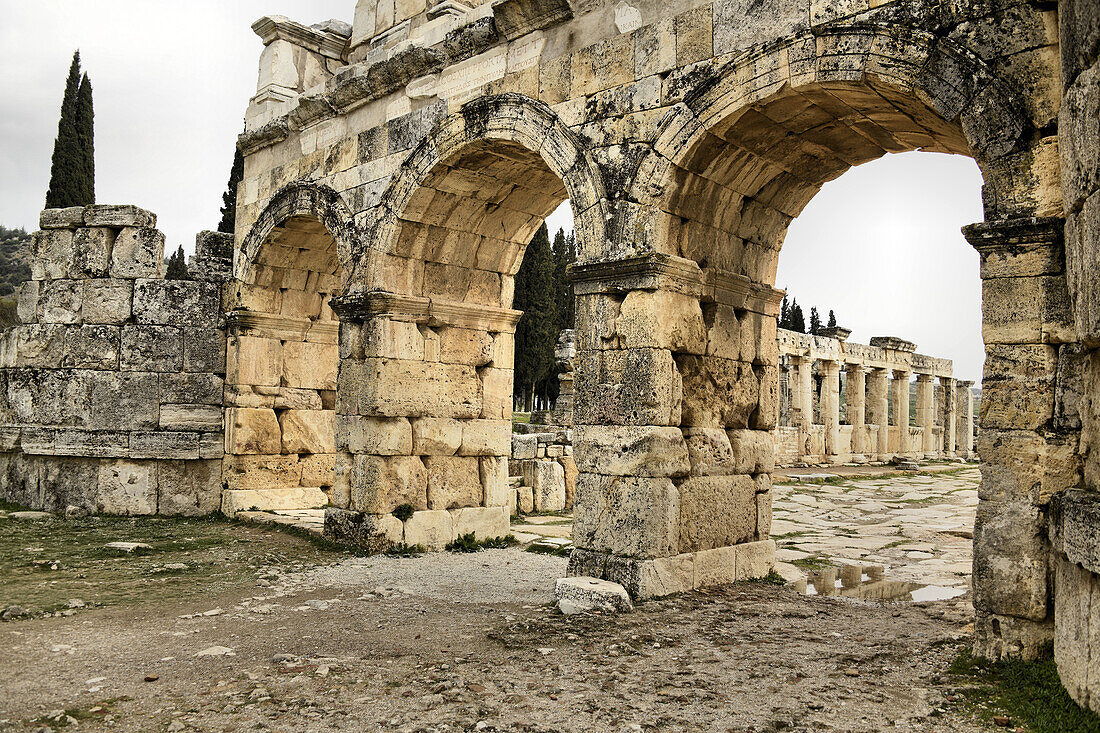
x: 282, y: 352
x: 427, y: 327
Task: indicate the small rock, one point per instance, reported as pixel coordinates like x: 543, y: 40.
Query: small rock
x: 176, y: 566
x: 152, y: 677
x: 284, y: 658
x: 128, y: 546
x: 582, y: 593
x: 75, y: 512
x: 12, y: 612
x: 175, y: 726
x: 213, y: 612
x: 317, y: 605
x: 216, y: 651
x: 31, y: 516
x: 1001, y: 720
x: 852, y: 672
x: 76, y: 603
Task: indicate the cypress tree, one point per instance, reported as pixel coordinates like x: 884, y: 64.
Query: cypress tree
x: 67, y: 162
x: 85, y: 135
x: 177, y: 267
x: 229, y: 198
x: 798, y: 321
x: 815, y: 322
x: 832, y: 319
x: 535, y: 333
x: 784, y: 314
x: 564, y: 253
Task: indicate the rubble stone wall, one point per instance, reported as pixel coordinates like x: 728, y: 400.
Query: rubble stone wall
x: 111, y: 395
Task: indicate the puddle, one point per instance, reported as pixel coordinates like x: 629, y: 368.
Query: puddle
x: 869, y: 584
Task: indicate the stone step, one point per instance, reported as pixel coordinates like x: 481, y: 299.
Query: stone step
x: 267, y: 500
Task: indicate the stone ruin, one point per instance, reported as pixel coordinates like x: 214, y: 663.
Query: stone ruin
x: 395, y: 170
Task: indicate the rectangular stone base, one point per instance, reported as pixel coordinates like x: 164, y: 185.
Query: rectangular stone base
x: 243, y: 500
x: 431, y: 529
x: 680, y: 573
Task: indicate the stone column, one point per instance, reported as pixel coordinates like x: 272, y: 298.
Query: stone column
x: 784, y: 395
x: 878, y: 410
x: 855, y: 394
x: 926, y: 414
x: 950, y: 411
x: 900, y: 396
x: 675, y: 464
x: 830, y: 407
x: 806, y: 394
x: 1026, y: 457
x: 964, y: 419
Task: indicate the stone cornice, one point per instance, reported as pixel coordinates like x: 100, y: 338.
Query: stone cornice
x: 272, y: 28
x: 1015, y: 233
x: 430, y: 312
x: 284, y: 328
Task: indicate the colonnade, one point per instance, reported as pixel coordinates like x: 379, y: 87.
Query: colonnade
x: 868, y: 418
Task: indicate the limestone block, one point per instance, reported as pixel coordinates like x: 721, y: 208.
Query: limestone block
x: 308, y: 431
x: 151, y: 349
x: 754, y: 559
x: 716, y: 511
x: 525, y: 499
x: 569, y: 467
x: 661, y: 319
x: 380, y: 436
x: 34, y: 345
x: 465, y: 346
x: 204, y: 349
x: 547, y: 481
x: 583, y: 594
x: 170, y: 445
x: 92, y: 347
x: 631, y: 450
x: 310, y: 365
x: 715, y: 567
x: 60, y: 301
x: 92, y: 252
x: 267, y: 500
x: 250, y: 472
x: 485, y: 522
x: 763, y: 513
x: 717, y: 392
x: 203, y: 418
x: 111, y: 215
x: 380, y: 484
x: 254, y: 361
x: 251, y: 431
x: 496, y: 393
x: 389, y: 339
x: 430, y: 529
x: 65, y: 482
x: 627, y: 516
x: 318, y: 470
x: 739, y: 24
x: 371, y: 532
x: 662, y: 576
x: 624, y: 387
x: 138, y: 252
x: 753, y: 451
x: 1010, y: 560
x: 524, y: 446
x: 201, y: 389
x: 53, y: 254
x: 398, y: 388
x: 189, y: 488
x: 486, y: 438
x: 291, y: 398
x: 1076, y: 624
x: 26, y: 308
x: 126, y: 401
x: 127, y: 488
x: 709, y: 451
x: 1020, y: 310
x: 494, y: 481
x: 107, y: 301
x: 68, y: 218
x: 436, y: 436
x: 176, y: 302
x: 453, y: 482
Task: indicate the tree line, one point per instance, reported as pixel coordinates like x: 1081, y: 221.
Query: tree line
x: 792, y: 318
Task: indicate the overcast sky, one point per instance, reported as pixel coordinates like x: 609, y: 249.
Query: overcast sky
x: 880, y: 245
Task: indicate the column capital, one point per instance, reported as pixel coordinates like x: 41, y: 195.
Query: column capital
x: 925, y: 378
x: 902, y: 374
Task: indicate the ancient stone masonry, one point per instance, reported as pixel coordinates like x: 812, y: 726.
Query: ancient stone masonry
x: 111, y: 395
x: 866, y: 419
x: 395, y: 170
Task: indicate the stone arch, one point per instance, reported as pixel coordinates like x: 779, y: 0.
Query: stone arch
x: 523, y: 131
x: 427, y: 328
x: 282, y: 352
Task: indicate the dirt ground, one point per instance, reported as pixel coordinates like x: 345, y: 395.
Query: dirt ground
x: 312, y: 641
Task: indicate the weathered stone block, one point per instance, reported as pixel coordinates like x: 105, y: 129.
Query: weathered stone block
x: 378, y: 484
x: 138, y: 252
x: 436, y: 436
x: 68, y: 218
x: 318, y: 470
x: 291, y: 398
x: 1010, y: 560
x: 189, y: 488
x: 494, y: 481
x: 484, y: 522
x: 26, y: 307
x: 629, y: 516
x: 53, y: 254
x: 308, y: 431
x: 107, y: 301
x: 380, y: 387
x: 720, y: 393
x: 753, y: 451
x: 661, y: 319
x: 127, y: 487
x: 126, y: 401
x: 716, y: 511
x: 176, y: 303
x: 254, y: 361
x: 92, y: 252
x: 91, y: 347
x: 202, y: 418
x: 251, y: 431
x: 371, y: 532
x: 709, y: 451
x: 496, y: 393
x: 453, y: 482
x: 380, y: 436
x: 60, y: 301
x: 250, y: 472
x: 584, y: 594
x: 166, y: 445
x: 310, y: 365
x: 112, y: 215
x: 524, y: 446
x: 430, y: 529
x: 200, y: 389
x: 631, y: 450
x: 486, y: 438
x: 151, y: 349
x: 628, y: 387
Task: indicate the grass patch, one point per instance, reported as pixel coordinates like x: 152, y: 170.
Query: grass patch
x: 470, y: 543
x: 1028, y: 693
x: 549, y: 550
x: 403, y: 550
x: 521, y: 417
x: 404, y: 512
x: 817, y: 562
x: 772, y: 578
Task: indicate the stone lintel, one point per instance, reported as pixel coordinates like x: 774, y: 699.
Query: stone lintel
x: 515, y: 18
x: 434, y: 313
x: 1015, y: 233
x: 452, y: 8
x: 727, y: 288
x: 328, y: 43
x: 284, y: 328
x: 472, y: 315
x: 893, y: 343
x: 273, y: 132
x: 1075, y: 527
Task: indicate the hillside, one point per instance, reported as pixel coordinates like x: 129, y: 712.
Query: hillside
x: 15, y: 258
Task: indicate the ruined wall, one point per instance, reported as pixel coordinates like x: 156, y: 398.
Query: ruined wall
x: 1075, y: 519
x: 111, y: 387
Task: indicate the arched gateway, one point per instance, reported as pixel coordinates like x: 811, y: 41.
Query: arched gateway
x: 395, y: 170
